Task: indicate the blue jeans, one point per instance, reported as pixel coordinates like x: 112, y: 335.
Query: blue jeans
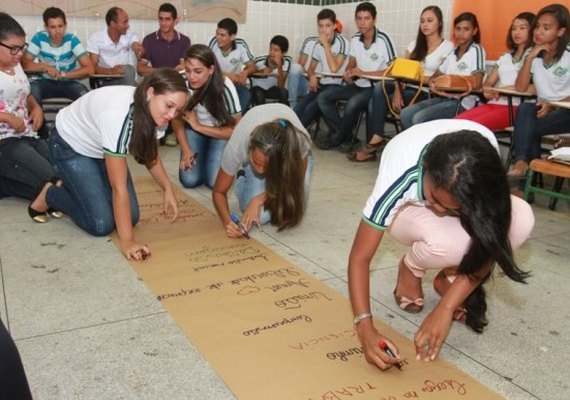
x: 43, y: 89
x: 308, y: 109
x: 357, y: 100
x: 24, y: 165
x: 297, y: 84
x: 244, y: 96
x: 208, y: 160
x: 86, y: 195
x: 529, y: 129
x: 129, y: 78
x: 378, y: 107
x: 428, y: 110
x: 249, y: 184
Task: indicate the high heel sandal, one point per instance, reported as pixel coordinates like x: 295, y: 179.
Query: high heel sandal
x: 41, y: 217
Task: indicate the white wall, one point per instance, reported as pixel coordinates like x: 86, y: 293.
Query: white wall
x: 265, y: 19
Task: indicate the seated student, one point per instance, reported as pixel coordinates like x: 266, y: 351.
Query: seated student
x: 441, y: 191
x: 57, y: 53
x: 110, y: 49
x: 234, y: 58
x: 330, y: 55
x: 270, y: 154
x: 89, y: 146
x: 548, y: 63
x: 297, y: 83
x: 468, y: 59
x: 165, y: 48
x: 24, y: 159
x: 495, y: 113
x: 371, y: 50
x: 275, y: 66
x: 431, y: 49
x: 210, y: 118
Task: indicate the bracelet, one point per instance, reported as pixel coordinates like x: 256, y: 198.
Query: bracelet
x: 360, y: 317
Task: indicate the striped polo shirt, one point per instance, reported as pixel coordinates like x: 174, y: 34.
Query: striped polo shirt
x: 339, y: 47
x: 231, y: 101
x: 234, y: 60
x: 400, y: 175
x: 63, y: 58
x: 375, y: 57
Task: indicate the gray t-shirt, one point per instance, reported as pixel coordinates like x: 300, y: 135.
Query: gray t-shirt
x: 236, y: 154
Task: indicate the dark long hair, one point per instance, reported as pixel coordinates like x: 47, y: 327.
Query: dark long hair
x: 528, y: 17
x: 143, y: 146
x: 10, y: 27
x: 469, y: 16
x: 421, y: 48
x: 284, y: 176
x: 560, y: 12
x: 211, y: 94
x: 466, y: 165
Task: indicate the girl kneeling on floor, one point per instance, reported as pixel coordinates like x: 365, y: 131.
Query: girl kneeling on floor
x: 442, y: 191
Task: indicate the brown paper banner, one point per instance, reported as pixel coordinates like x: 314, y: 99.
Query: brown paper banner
x: 269, y: 329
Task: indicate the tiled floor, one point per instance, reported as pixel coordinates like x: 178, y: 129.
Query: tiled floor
x: 88, y: 328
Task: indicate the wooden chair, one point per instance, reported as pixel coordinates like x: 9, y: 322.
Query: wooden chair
x: 559, y: 170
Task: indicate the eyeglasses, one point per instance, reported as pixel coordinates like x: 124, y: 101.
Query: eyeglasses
x: 15, y: 49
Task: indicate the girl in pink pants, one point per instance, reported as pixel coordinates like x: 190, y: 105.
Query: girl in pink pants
x: 442, y: 191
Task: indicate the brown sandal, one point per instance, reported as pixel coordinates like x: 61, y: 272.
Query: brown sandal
x: 353, y: 156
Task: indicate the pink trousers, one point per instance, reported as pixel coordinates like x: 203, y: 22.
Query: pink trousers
x: 437, y: 242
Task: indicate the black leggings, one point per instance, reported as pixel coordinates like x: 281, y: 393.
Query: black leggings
x: 13, y: 382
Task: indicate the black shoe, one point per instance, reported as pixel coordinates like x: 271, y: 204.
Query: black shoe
x: 38, y: 216
x: 325, y: 144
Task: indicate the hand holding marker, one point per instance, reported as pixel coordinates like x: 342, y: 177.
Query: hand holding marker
x: 236, y: 221
x: 382, y: 344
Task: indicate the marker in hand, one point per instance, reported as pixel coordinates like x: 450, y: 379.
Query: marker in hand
x: 382, y: 344
x: 236, y: 221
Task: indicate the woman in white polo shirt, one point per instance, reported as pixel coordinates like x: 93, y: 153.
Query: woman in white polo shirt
x: 89, y: 145
x: 548, y: 64
x: 441, y: 191
x: 468, y: 59
x: 213, y: 111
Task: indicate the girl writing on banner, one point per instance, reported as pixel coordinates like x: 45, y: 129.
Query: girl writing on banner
x: 89, y: 146
x: 441, y: 191
x: 269, y: 157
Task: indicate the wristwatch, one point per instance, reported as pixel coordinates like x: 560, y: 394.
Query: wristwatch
x: 360, y: 317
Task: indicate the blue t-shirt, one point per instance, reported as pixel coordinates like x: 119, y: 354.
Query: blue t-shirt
x: 63, y: 58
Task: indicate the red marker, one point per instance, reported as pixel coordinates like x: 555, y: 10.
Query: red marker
x: 382, y: 344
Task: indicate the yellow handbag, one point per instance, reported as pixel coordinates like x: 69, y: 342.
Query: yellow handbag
x: 404, y: 69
